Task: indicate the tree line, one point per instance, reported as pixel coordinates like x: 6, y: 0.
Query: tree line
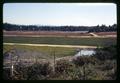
x: 102, y: 28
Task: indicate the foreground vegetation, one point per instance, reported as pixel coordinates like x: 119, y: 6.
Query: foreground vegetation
x: 62, y: 40
x: 100, y: 66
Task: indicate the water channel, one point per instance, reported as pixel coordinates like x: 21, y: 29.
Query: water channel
x: 85, y: 52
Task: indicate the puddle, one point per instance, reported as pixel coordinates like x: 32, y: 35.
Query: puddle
x: 85, y: 52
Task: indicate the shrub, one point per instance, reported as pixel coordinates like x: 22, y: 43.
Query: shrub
x: 6, y: 74
x: 63, y: 66
x: 81, y: 60
x: 39, y: 70
x: 33, y: 72
x: 106, y: 53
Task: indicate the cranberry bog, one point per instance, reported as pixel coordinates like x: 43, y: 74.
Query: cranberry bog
x: 60, y: 38
x: 45, y: 33
x: 75, y: 34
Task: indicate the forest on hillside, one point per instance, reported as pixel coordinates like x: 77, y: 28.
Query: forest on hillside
x: 102, y: 28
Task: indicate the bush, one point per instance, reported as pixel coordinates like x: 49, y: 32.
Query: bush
x: 6, y: 74
x: 33, y: 72
x: 106, y: 53
x: 81, y: 60
x: 39, y: 71
x: 63, y: 66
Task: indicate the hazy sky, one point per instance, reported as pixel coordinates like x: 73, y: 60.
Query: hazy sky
x: 87, y: 14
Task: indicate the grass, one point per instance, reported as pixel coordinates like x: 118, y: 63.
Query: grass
x: 61, y: 40
x: 45, y: 50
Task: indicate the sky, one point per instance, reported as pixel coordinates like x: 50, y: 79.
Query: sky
x: 60, y: 14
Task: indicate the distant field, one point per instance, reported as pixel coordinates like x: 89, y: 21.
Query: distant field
x: 61, y: 40
x: 74, y: 34
x: 45, y: 33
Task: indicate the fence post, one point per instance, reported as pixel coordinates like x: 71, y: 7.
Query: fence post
x: 53, y: 60
x: 84, y: 72
x: 11, y: 68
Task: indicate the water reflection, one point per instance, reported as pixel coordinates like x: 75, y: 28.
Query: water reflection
x: 85, y: 52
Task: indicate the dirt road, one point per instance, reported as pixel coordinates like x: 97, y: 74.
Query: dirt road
x: 68, y: 46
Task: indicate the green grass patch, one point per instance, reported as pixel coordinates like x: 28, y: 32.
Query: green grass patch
x: 62, y: 40
x: 45, y: 50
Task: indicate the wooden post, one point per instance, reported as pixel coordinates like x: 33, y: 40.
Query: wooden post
x: 11, y: 64
x: 36, y: 59
x: 84, y: 72
x: 54, y: 61
x: 80, y: 52
x: 12, y: 68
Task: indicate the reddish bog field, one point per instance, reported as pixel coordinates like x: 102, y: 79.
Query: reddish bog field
x: 45, y: 33
x: 105, y: 33
x: 57, y: 34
